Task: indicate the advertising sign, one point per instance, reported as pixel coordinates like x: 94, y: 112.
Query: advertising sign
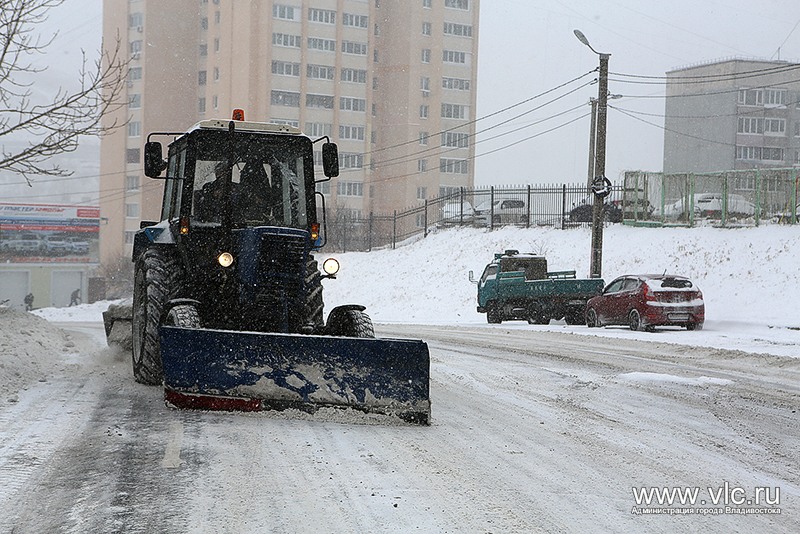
x: 45, y: 233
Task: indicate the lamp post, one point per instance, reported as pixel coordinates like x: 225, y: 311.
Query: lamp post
x: 600, y: 182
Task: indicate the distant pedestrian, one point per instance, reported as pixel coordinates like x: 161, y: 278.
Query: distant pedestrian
x: 28, y: 302
x: 75, y: 298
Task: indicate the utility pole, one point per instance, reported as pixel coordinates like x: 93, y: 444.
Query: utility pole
x: 601, y: 186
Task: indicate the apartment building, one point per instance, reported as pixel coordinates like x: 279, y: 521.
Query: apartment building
x: 732, y: 114
x: 393, y: 82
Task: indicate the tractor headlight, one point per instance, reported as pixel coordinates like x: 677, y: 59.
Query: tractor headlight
x: 225, y: 259
x: 330, y: 266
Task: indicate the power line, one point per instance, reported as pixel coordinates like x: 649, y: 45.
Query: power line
x: 771, y: 70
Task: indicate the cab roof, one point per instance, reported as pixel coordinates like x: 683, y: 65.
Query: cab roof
x: 247, y: 126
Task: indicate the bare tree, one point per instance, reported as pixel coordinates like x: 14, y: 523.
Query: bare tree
x: 53, y: 127
x: 117, y: 271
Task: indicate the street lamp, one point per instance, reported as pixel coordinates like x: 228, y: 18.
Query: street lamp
x: 600, y: 182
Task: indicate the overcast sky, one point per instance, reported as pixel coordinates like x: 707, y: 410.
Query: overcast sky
x: 527, y: 47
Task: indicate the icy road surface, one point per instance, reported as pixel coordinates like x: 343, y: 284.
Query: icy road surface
x: 533, y: 431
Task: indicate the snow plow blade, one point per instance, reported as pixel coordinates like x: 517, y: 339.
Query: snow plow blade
x: 251, y: 371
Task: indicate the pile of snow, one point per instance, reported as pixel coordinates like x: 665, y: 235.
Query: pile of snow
x: 29, y: 346
x: 747, y: 275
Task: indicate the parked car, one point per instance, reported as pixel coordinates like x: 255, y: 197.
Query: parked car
x: 583, y: 212
x: 78, y: 246
x: 502, y: 211
x: 26, y: 243
x: 646, y: 301
x: 709, y: 205
x: 786, y: 215
x: 455, y: 213
x: 55, y: 245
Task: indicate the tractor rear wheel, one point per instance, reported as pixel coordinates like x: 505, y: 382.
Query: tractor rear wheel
x: 157, y: 279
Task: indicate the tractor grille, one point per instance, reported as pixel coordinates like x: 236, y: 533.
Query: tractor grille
x: 280, y: 291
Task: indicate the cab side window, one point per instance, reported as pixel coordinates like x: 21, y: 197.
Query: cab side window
x: 489, y: 272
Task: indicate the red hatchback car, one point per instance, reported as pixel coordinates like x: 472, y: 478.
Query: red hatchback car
x: 645, y: 301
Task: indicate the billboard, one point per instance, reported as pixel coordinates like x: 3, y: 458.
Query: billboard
x: 48, y: 233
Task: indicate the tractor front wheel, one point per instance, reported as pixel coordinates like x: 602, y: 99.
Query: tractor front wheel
x: 157, y: 279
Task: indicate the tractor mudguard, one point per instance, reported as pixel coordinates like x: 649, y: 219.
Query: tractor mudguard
x: 251, y: 371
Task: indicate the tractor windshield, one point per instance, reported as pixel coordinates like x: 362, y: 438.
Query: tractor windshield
x: 267, y: 180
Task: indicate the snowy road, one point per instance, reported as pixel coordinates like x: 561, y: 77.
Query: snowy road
x: 532, y: 431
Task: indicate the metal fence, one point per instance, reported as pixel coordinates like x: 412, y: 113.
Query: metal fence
x: 559, y: 206
x: 730, y: 198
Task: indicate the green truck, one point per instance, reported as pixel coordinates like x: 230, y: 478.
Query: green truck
x: 518, y: 286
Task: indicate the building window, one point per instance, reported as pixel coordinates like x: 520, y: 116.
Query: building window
x: 423, y: 138
x: 423, y: 111
x: 351, y: 161
x: 797, y: 128
x: 422, y: 193
x: 285, y: 68
x: 356, y: 21
x: 373, y: 137
x: 771, y: 154
x: 290, y: 122
x: 324, y: 16
x: 426, y: 4
x: 352, y: 47
x: 425, y: 85
x: 426, y: 55
x: 216, y: 17
x: 454, y: 111
x: 458, y: 84
x: 457, y: 4
x: 134, y: 73
x: 347, y: 103
x: 374, y: 82
x: 460, y: 30
x: 201, y: 105
x: 351, y: 132
x: 203, y: 50
x: 426, y: 28
x: 318, y: 129
x: 131, y: 210
x: 216, y: 74
x: 453, y: 166
x: 202, y: 77
x: 129, y: 237
x: 204, y: 23
x: 775, y: 126
x: 751, y: 97
x: 132, y: 182
x: 319, y: 101
x: 134, y: 101
x: 285, y: 39
x: 422, y: 165
x: 326, y: 45
x: 750, y: 125
x: 454, y: 56
x: 354, y: 75
x: 320, y: 72
x: 774, y: 97
x: 135, y: 20
x: 216, y: 44
x: 324, y: 188
x: 132, y: 155
x: 134, y: 129
x: 448, y: 190
x: 284, y: 12
x: 215, y: 102
x: 285, y: 98
x: 135, y: 47
x: 350, y: 189
x: 455, y: 139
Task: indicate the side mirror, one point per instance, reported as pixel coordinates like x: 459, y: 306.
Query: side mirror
x: 154, y: 163
x: 472, y: 277
x: 330, y: 160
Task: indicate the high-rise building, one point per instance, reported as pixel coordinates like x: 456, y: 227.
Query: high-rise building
x: 393, y: 82
x: 732, y: 114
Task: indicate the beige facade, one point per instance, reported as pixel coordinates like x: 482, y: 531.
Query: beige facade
x: 393, y: 82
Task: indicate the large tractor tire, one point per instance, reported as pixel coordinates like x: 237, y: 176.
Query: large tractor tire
x: 313, y: 322
x: 350, y: 321
x: 157, y: 279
